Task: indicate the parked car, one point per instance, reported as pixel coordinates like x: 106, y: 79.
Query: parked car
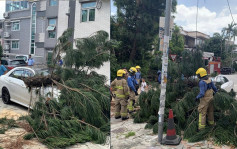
x: 14, y: 89
x: 226, y: 84
x: 226, y: 70
x: 12, y: 63
x: 24, y: 57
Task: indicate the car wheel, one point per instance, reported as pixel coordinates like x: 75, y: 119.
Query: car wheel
x: 6, y: 96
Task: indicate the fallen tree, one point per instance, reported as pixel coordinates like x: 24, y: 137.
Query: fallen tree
x: 186, y: 114
x: 82, y: 111
x: 180, y: 96
x: 40, y: 81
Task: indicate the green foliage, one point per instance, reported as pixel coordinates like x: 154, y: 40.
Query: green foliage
x: 191, y: 61
x: 6, y: 124
x: 186, y: 117
x: 129, y: 134
x: 82, y: 112
x: 136, y: 26
x: 91, y: 52
x: 216, y: 45
x: 177, y: 42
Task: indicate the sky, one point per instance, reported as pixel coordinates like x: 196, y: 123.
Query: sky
x: 2, y: 8
x: 213, y: 15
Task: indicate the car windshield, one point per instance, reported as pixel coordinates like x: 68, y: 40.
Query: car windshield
x: 42, y: 72
x: 22, y: 57
x: 17, y: 62
x: 225, y: 79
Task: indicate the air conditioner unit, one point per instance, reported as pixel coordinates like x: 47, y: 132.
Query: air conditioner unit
x: 68, y: 11
x: 6, y: 35
x: 6, y: 46
x: 6, y: 15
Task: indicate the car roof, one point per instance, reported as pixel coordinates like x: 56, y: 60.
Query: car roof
x: 13, y: 59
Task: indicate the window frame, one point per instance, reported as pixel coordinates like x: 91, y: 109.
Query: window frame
x: 11, y: 4
x: 12, y: 27
x: 14, y: 76
x: 52, y: 32
x: 54, y: 27
x: 12, y: 44
x: 88, y: 11
x: 50, y: 4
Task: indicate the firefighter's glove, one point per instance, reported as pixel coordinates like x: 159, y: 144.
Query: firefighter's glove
x: 136, y: 93
x: 197, y: 99
x: 137, y: 87
x: 114, y: 95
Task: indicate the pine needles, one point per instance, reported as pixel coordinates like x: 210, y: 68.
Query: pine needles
x: 186, y: 115
x: 82, y: 112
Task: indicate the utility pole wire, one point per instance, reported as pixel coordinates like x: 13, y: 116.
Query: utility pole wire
x: 196, y: 22
x: 230, y: 11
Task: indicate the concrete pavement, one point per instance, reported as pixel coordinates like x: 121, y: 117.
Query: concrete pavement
x: 15, y: 135
x: 145, y: 139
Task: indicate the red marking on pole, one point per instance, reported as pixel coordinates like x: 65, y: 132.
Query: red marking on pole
x: 171, y: 114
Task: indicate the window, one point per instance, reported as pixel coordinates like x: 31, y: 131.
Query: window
x: 15, y: 44
x: 53, y: 2
x: 15, y: 26
x: 16, y: 5
x: 17, y: 73
x: 28, y: 73
x: 33, y: 28
x: 52, y: 34
x: 51, y: 28
x: 88, y: 11
x: 52, y: 22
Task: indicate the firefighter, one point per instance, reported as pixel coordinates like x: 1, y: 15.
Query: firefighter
x: 119, y: 85
x: 132, y: 83
x: 138, y: 74
x: 207, y: 90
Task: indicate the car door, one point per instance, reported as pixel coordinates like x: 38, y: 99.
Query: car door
x: 26, y: 100
x: 16, y: 86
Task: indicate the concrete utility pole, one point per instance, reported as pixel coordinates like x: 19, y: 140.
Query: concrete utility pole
x: 164, y: 71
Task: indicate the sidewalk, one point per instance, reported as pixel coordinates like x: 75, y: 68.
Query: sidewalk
x: 145, y: 139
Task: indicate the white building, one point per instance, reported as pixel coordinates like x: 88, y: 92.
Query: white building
x: 90, y: 17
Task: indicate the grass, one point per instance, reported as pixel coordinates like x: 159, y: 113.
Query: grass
x: 129, y: 134
x: 6, y: 124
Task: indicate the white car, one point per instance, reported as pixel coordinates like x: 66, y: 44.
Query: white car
x: 14, y: 89
x: 226, y: 84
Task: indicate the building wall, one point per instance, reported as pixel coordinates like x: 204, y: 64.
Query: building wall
x: 85, y: 29
x: 62, y: 25
x: 51, y: 12
x: 102, y: 21
x: 23, y: 35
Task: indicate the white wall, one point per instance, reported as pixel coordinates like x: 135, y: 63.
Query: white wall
x: 102, y: 21
x: 85, y: 29
x: 62, y: 24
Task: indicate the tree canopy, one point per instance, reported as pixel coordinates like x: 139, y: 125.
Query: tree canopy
x: 135, y: 25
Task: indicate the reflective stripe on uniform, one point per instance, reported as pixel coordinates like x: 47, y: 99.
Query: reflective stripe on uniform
x: 119, y: 87
x: 211, y: 122
x: 130, y: 106
x: 124, y: 114
x: 200, y: 126
x: 119, y: 95
x: 117, y: 114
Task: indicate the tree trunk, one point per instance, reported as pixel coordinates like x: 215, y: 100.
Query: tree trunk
x: 133, y: 52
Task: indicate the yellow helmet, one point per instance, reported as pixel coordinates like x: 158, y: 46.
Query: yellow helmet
x: 133, y: 70
x: 138, y: 67
x: 120, y: 72
x: 201, y: 72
